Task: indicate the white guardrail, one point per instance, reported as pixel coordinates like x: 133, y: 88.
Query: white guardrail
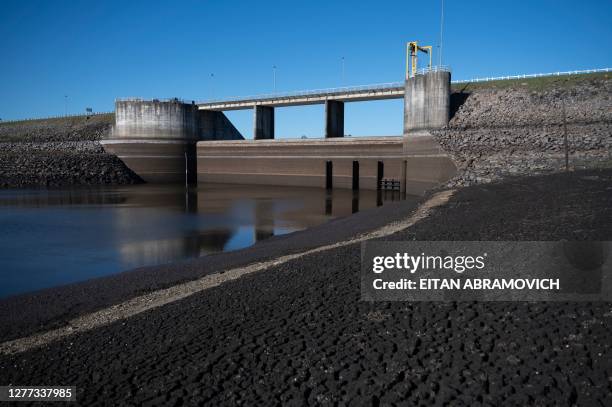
x: 311, y: 92
x: 533, y: 75
x: 374, y: 87
x: 391, y: 85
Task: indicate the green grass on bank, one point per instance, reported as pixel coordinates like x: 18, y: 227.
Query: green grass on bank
x: 62, y: 121
x: 534, y: 84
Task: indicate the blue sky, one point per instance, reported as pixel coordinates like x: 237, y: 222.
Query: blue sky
x: 95, y: 51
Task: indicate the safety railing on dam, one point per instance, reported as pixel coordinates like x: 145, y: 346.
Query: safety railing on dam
x: 379, y: 87
x: 382, y: 90
x: 534, y: 75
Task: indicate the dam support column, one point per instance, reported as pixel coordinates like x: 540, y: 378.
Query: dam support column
x: 334, y: 118
x: 426, y: 108
x: 263, y: 123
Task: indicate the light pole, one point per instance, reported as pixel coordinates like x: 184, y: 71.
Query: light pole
x: 343, y: 71
x: 274, y: 78
x: 212, y: 89
x: 441, y: 32
x: 65, y: 105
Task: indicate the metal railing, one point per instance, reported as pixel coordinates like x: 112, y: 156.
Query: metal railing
x: 387, y: 86
x: 313, y: 92
x: 437, y: 68
x: 534, y: 75
x: 138, y: 99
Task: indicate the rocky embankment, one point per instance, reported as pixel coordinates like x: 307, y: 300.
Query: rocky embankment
x: 517, y: 127
x: 56, y: 152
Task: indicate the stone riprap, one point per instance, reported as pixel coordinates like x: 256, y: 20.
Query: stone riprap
x: 518, y: 129
x: 59, y: 152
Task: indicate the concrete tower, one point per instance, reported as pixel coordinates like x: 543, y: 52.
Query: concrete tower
x: 426, y: 108
x: 157, y: 139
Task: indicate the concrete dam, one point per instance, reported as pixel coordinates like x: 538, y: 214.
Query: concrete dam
x: 169, y: 141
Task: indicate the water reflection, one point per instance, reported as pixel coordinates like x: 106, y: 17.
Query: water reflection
x: 52, y: 237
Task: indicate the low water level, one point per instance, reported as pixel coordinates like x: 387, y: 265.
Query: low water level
x: 54, y: 237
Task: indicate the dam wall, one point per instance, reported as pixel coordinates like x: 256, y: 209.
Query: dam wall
x: 496, y: 129
x: 299, y: 162
x: 416, y: 161
x: 157, y: 140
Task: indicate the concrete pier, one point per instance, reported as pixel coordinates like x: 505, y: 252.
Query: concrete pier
x: 263, y: 123
x: 334, y: 118
x: 157, y: 139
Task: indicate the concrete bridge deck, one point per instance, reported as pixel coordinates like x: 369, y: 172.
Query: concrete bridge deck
x: 394, y: 90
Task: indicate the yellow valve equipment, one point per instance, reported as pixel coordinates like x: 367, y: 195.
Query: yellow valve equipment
x: 411, y: 57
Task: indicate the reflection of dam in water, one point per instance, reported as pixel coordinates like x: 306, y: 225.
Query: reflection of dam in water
x: 52, y: 237
x: 237, y: 216
x: 83, y: 233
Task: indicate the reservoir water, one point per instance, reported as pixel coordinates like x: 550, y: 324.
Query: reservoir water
x: 59, y: 236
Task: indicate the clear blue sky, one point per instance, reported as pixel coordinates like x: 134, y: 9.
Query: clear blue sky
x: 95, y: 51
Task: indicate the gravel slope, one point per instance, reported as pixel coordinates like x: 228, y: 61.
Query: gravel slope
x: 517, y: 127
x: 59, y: 152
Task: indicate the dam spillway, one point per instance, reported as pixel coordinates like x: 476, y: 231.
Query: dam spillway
x: 169, y: 141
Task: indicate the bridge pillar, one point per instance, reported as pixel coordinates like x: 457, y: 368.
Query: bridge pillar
x: 334, y: 118
x: 263, y: 123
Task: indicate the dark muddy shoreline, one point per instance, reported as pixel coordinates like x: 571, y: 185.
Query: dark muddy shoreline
x: 298, y: 333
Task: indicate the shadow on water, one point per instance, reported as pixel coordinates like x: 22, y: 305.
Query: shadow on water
x: 53, y: 237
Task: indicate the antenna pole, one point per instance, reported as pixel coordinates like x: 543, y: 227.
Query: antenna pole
x: 441, y: 33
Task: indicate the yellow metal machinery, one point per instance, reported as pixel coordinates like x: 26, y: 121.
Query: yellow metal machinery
x: 411, y: 57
